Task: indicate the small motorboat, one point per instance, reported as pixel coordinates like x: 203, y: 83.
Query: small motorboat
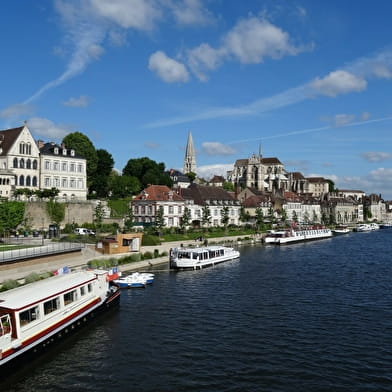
x: 147, y: 276
x: 135, y: 280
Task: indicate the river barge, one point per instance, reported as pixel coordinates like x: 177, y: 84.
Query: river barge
x: 289, y: 236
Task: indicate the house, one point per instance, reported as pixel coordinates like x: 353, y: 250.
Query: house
x: 317, y: 186
x: 146, y: 204
x: 120, y: 243
x: 179, y: 179
x: 63, y: 169
x: 216, y: 181
x: 264, y: 202
x: 19, y: 160
x: 215, y: 200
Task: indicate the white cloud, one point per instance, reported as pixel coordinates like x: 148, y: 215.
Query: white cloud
x: 208, y: 171
x: 216, y: 148
x: 136, y: 14
x: 204, y: 58
x: 190, y: 12
x: 168, y: 69
x: 376, y: 156
x: 46, y: 128
x: 253, y: 39
x: 16, y: 110
x: 382, y: 71
x: 339, y: 82
x: 81, y: 102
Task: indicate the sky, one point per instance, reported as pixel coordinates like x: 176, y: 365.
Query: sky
x: 308, y: 82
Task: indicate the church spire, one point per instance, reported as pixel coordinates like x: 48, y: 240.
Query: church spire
x: 260, y: 151
x: 190, y: 156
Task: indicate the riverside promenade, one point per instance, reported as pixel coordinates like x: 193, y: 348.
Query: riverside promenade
x: 79, y: 260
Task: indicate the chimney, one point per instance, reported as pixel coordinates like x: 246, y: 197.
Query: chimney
x: 40, y: 144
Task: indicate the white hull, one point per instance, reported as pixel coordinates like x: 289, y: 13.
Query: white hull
x: 291, y: 236
x: 367, y: 227
x: 198, y: 258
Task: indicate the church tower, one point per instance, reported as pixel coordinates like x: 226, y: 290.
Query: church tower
x: 190, y: 156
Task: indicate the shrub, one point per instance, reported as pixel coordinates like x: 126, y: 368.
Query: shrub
x: 147, y: 255
x: 33, y: 277
x: 9, y: 284
x: 148, y: 240
x: 156, y: 253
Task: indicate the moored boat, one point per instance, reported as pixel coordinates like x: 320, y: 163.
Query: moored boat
x: 385, y: 225
x: 134, y: 280
x: 341, y: 229
x: 198, y: 258
x: 287, y: 236
x: 366, y: 227
x: 37, y: 315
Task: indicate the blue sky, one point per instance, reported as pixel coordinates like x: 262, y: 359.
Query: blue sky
x: 310, y: 81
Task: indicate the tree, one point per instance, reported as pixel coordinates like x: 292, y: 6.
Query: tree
x: 56, y: 211
x: 147, y: 172
x: 191, y: 176
x: 123, y: 186
x: 206, y: 216
x: 11, y: 215
x: 259, y: 218
x: 85, y: 148
x: 331, y: 186
x: 100, y: 179
x: 228, y: 186
x: 128, y: 218
x: 159, y: 221
x: 244, y: 215
x: 225, y: 216
x: 185, y: 219
x: 99, y: 213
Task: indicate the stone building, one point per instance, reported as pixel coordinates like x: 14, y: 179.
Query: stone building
x: 190, y: 156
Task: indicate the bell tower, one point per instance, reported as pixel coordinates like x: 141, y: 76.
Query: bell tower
x: 190, y: 156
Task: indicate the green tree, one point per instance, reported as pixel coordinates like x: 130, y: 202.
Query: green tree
x: 128, y: 218
x: 123, y: 186
x: 11, y: 215
x: 99, y: 213
x: 206, y: 216
x: 191, y: 176
x: 159, y: 221
x: 244, y: 215
x: 147, y: 172
x: 85, y: 148
x: 55, y: 210
x: 228, y: 186
x: 185, y: 219
x: 47, y: 193
x: 225, y: 216
x: 331, y: 186
x: 259, y: 218
x: 100, y: 179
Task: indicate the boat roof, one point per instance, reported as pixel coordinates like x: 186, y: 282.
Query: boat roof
x: 202, y: 248
x: 32, y: 293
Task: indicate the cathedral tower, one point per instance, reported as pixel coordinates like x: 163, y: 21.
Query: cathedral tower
x: 190, y: 156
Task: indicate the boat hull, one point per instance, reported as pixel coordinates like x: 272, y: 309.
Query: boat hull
x: 293, y: 236
x: 52, y: 337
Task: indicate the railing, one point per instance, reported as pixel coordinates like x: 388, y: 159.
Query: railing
x: 34, y: 251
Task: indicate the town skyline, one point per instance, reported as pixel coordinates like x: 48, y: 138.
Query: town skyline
x: 308, y: 81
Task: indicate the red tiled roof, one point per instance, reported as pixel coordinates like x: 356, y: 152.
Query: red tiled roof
x: 158, y: 193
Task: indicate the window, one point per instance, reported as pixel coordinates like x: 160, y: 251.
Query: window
x: 80, y: 184
x: 34, y: 181
x: 51, y: 305
x: 64, y: 183
x: 15, y: 163
x: 47, y: 165
x: 64, y: 151
x: 28, y: 149
x: 149, y: 210
x: 90, y: 287
x: 28, y: 164
x: 35, y: 164
x: 21, y: 148
x: 56, y: 150
x: 179, y: 209
x: 22, y: 163
x: 56, y: 182
x: 70, y: 297
x: 171, y: 209
x: 83, y: 290
x: 72, y: 183
x: 80, y: 167
x: 29, y: 315
x: 72, y: 167
x: 64, y: 166
x: 28, y: 181
x: 56, y: 165
x: 21, y: 180
x: 47, y: 182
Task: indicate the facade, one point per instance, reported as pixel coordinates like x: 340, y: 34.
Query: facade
x: 264, y: 174
x: 190, y: 156
x: 19, y: 158
x: 216, y: 181
x: 146, y: 205
x: 341, y: 210
x: 264, y: 202
x: 61, y: 168
x: 317, y: 186
x: 216, y: 200
x: 27, y: 164
x: 179, y: 179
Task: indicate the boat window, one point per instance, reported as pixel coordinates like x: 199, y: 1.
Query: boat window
x: 90, y: 287
x: 69, y: 297
x: 5, y: 324
x: 29, y: 315
x: 51, y: 305
x: 194, y: 256
x: 83, y: 290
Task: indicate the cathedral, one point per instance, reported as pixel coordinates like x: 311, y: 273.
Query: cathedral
x: 264, y: 174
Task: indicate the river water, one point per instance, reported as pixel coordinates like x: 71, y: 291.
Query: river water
x: 303, y: 317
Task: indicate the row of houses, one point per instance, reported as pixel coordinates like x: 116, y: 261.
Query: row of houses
x: 214, y: 203
x: 36, y: 165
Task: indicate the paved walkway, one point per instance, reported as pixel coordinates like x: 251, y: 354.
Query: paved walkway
x: 79, y: 259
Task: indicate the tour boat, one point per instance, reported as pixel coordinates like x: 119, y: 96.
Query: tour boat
x: 287, y: 236
x: 37, y: 315
x: 341, y: 229
x: 198, y: 258
x: 134, y: 280
x: 367, y: 227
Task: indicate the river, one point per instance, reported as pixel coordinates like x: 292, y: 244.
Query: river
x: 312, y: 316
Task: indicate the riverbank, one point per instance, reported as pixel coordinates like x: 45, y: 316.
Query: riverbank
x: 79, y: 260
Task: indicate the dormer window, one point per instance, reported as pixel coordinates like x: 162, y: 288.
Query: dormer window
x: 72, y: 153
x: 64, y: 151
x: 56, y: 150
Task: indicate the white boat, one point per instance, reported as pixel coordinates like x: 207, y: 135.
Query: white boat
x: 134, y: 280
x: 296, y: 235
x: 198, y: 258
x: 37, y: 315
x: 367, y: 227
x: 386, y: 226
x: 341, y: 229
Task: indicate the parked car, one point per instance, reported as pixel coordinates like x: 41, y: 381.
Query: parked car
x: 84, y: 231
